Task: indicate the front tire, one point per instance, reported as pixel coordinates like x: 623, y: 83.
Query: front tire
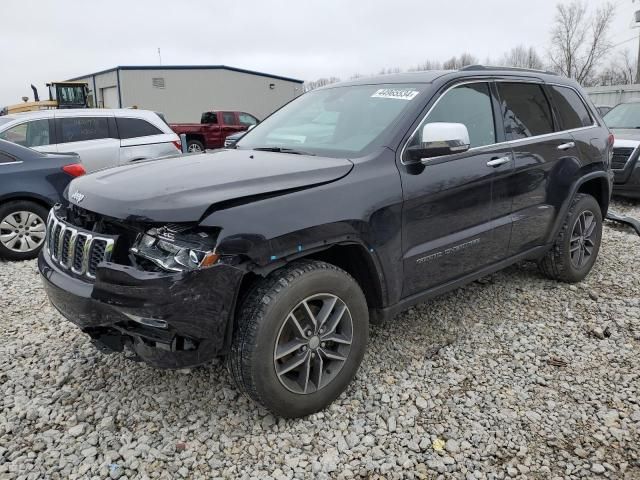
x: 22, y: 229
x: 576, y: 247
x: 300, y: 338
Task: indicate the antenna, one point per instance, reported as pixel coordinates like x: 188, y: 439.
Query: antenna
x: 159, y: 56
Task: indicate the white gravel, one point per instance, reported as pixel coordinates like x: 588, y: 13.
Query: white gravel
x: 511, y: 376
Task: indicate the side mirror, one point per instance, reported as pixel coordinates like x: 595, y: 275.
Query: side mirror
x: 438, y: 139
x: 250, y: 127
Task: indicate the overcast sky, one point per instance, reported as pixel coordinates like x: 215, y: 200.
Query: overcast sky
x: 44, y: 41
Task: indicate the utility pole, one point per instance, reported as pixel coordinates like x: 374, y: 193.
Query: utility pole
x: 636, y: 24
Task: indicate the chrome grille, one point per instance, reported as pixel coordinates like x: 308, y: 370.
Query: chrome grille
x: 621, y: 157
x: 77, y: 250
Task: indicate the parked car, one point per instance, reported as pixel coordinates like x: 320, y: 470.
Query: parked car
x: 603, y: 110
x: 231, y: 140
x: 102, y: 137
x: 624, y: 122
x: 30, y: 184
x: 278, y: 253
x: 213, y: 129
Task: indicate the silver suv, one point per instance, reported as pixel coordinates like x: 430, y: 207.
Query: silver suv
x: 102, y: 137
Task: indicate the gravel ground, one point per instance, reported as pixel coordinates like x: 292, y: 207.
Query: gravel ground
x: 511, y: 376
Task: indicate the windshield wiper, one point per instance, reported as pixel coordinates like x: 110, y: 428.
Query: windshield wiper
x: 292, y: 151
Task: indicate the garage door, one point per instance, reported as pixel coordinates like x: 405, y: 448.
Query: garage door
x: 110, y: 97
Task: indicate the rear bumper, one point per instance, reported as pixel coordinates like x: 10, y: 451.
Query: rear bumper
x: 169, y: 320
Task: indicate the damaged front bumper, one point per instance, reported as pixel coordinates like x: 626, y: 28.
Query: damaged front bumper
x: 169, y: 320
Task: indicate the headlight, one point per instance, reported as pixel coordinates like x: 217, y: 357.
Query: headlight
x: 175, y: 251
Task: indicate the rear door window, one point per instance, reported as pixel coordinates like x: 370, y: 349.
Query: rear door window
x: 228, y: 118
x: 571, y: 109
x: 29, y: 134
x: 525, y: 109
x: 135, y: 127
x: 81, y: 129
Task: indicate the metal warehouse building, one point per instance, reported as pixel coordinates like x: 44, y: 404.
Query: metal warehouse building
x: 183, y: 92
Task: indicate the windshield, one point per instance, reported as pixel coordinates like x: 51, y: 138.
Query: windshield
x: 625, y: 115
x: 340, y: 121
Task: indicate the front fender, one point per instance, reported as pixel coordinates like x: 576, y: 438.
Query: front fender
x: 362, y: 208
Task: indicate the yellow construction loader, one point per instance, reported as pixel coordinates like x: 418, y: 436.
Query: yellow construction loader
x: 61, y: 95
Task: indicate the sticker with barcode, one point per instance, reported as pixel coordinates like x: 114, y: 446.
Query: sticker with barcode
x: 397, y: 93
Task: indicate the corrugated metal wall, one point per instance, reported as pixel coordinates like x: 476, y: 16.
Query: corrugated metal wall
x: 182, y: 95
x: 613, y: 95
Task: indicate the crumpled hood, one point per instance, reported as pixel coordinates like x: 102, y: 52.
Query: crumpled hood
x: 181, y: 189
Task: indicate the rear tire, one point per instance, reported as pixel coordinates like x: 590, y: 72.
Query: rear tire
x: 195, y: 146
x: 326, y: 354
x: 576, y: 247
x: 22, y: 229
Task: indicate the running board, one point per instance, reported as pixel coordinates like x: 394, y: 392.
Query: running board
x: 630, y: 221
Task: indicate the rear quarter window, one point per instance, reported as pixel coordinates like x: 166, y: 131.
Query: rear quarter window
x: 6, y: 158
x: 571, y: 109
x: 136, y: 127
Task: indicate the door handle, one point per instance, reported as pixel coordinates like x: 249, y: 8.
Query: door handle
x: 567, y: 146
x: 496, y: 162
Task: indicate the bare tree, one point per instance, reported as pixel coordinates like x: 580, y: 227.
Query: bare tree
x: 522, y: 57
x: 387, y: 71
x: 426, y: 65
x: 621, y: 70
x: 454, y: 63
x: 579, y: 40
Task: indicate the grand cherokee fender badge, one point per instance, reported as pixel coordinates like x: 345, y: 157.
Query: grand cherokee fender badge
x: 77, y: 196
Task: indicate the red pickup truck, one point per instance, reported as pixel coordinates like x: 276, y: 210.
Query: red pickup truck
x: 213, y: 128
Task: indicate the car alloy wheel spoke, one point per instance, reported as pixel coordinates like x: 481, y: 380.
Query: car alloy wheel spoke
x: 288, y: 348
x: 582, y: 244
x: 8, y: 236
x: 332, y: 355
x: 313, y: 343
x: 325, y: 311
x: 9, y: 223
x: 12, y: 243
x: 335, y: 319
x: 293, y: 363
x: 333, y: 337
x: 319, y: 367
x: 310, y: 314
x: 305, y: 373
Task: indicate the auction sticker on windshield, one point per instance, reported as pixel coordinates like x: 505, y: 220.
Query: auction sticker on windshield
x: 397, y: 93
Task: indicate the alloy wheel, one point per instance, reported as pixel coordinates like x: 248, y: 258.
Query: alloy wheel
x: 313, y: 343
x: 22, y: 231
x: 582, y: 239
x: 194, y: 147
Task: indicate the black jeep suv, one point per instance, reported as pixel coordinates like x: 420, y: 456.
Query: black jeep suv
x: 349, y: 204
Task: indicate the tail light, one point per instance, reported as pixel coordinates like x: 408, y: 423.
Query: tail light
x: 610, y: 141
x: 74, y: 169
x: 177, y: 144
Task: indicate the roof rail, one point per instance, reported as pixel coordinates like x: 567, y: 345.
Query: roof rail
x: 510, y: 69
